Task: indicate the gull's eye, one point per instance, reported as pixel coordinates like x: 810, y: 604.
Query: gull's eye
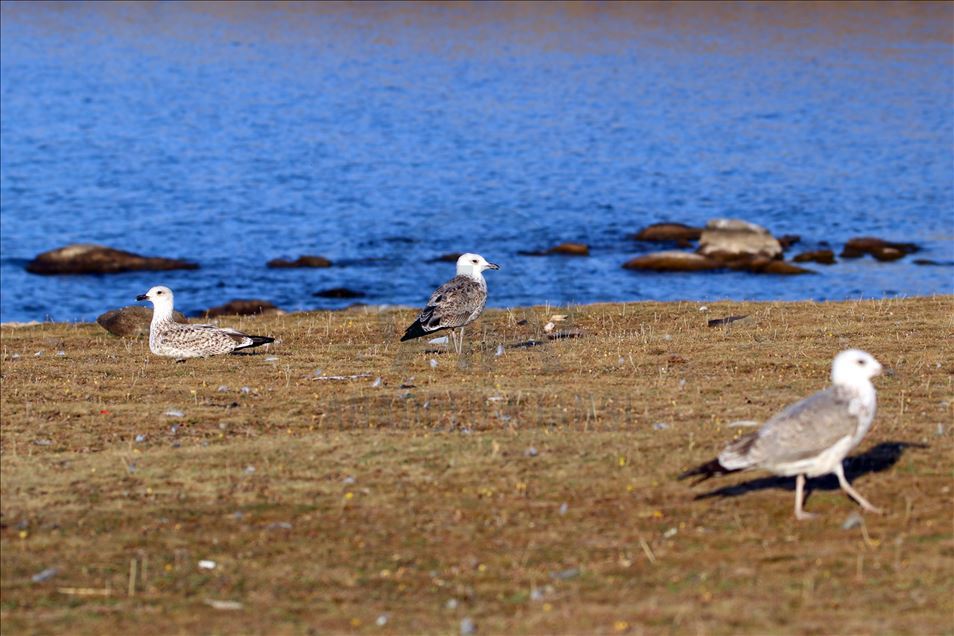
x: 474, y: 261
x: 158, y: 292
x: 862, y: 362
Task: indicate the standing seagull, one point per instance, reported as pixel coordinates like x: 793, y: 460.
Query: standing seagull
x: 811, y: 437
x: 180, y: 341
x: 456, y: 303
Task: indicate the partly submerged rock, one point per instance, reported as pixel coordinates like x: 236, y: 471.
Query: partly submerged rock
x: 339, y: 292
x: 242, y: 307
x: 880, y: 249
x: 678, y: 233
x: 301, y: 261
x: 825, y: 257
x: 765, y: 265
x: 131, y: 321
x: 83, y: 258
x: 447, y: 258
x: 673, y: 261
x: 563, y: 249
x: 788, y: 240
x: 724, y: 239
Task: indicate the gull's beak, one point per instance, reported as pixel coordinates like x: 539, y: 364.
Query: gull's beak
x: 493, y: 266
x: 142, y: 297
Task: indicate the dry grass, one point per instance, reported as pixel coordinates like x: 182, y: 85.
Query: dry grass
x: 328, y: 505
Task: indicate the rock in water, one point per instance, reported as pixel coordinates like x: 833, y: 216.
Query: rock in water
x: 242, y: 307
x: 301, y: 261
x: 673, y: 261
x: 98, y: 259
x: 825, y: 257
x: 725, y: 239
x: 766, y: 265
x: 339, y: 292
x: 669, y: 232
x: 570, y: 249
x: 447, y: 258
x: 880, y: 249
x: 131, y: 321
x: 788, y: 240
x: 563, y: 249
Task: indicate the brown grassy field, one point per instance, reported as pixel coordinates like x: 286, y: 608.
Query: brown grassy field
x: 524, y: 493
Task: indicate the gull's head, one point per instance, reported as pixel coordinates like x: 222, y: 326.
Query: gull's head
x: 854, y: 367
x: 158, y: 296
x: 473, y: 264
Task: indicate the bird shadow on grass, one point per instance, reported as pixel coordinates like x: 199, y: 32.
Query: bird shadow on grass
x: 875, y: 460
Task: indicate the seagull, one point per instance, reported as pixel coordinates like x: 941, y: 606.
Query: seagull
x: 456, y: 303
x: 180, y: 341
x: 811, y: 437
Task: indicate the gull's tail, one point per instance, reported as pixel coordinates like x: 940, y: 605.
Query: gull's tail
x: 254, y: 341
x: 738, y: 455
x: 414, y: 331
x: 704, y: 471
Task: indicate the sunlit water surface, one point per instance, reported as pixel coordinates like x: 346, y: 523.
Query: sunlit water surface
x: 384, y: 138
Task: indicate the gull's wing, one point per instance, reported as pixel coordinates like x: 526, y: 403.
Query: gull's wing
x: 239, y: 338
x: 204, y: 340
x: 801, y: 431
x: 455, y: 301
x: 453, y: 304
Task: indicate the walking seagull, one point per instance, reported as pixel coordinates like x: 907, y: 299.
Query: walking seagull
x: 810, y: 438
x: 456, y: 303
x: 180, y: 341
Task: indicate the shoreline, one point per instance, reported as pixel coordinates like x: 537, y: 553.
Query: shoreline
x: 381, y: 309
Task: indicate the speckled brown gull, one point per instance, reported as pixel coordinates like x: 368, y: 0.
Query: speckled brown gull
x: 456, y: 303
x: 810, y: 438
x: 180, y: 341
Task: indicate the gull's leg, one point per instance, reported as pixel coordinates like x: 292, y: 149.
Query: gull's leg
x: 460, y: 346
x: 864, y: 503
x: 453, y: 336
x: 800, y: 514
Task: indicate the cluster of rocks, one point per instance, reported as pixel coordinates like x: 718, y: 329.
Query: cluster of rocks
x: 740, y: 245
x: 85, y: 258
x: 723, y: 244
x: 133, y: 321
x: 881, y: 250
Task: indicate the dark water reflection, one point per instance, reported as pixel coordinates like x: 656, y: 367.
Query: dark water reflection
x: 382, y: 136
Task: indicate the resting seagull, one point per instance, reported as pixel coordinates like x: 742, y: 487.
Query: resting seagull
x: 456, y: 303
x: 810, y: 438
x: 180, y: 341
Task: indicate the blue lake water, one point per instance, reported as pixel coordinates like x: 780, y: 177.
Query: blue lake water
x: 383, y: 136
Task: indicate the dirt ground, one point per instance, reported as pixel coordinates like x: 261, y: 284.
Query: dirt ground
x: 526, y: 488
